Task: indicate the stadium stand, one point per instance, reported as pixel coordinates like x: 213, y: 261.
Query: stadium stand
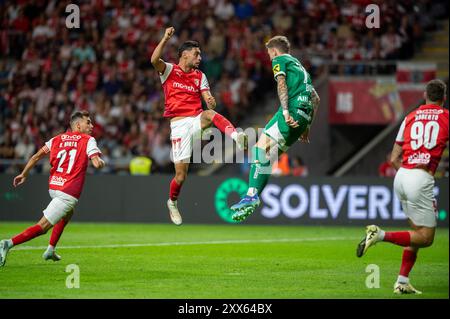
x: 48, y: 70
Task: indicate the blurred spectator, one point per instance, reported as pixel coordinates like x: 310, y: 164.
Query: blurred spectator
x: 386, y: 169
x: 299, y: 168
x: 281, y: 167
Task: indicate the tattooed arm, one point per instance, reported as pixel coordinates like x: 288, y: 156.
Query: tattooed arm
x: 284, y: 100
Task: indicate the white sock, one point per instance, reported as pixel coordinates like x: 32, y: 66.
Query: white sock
x: 51, y: 248
x: 402, y: 279
x: 234, y: 135
x: 252, y: 191
x: 10, y: 242
x: 381, y: 235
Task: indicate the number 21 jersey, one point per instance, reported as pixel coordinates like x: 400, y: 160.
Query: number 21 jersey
x: 423, y: 136
x: 69, y: 158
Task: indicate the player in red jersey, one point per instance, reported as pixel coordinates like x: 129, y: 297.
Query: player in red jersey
x: 69, y: 156
x: 421, y: 140
x: 184, y: 86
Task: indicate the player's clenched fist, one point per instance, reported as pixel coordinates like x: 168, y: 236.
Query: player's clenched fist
x: 169, y: 33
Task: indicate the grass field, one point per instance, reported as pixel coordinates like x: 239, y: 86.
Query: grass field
x: 211, y: 261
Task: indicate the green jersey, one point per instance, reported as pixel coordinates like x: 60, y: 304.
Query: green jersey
x: 298, y: 81
x: 300, y: 90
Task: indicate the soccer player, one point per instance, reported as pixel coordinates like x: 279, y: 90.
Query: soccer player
x: 184, y: 86
x: 417, y: 150
x: 299, y: 103
x: 69, y: 154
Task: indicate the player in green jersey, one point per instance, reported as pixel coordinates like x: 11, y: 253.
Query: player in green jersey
x: 299, y: 102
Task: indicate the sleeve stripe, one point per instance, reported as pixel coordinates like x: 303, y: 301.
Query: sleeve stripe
x: 95, y: 154
x: 279, y: 73
x: 167, y: 71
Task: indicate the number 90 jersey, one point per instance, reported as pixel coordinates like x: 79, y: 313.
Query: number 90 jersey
x: 423, y: 136
x: 69, y: 156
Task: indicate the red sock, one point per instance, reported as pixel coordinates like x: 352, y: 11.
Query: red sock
x: 408, y: 260
x: 401, y: 238
x: 27, y: 234
x: 175, y: 189
x: 223, y: 124
x: 57, y: 231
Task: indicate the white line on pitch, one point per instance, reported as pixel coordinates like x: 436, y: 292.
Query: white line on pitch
x: 187, y: 243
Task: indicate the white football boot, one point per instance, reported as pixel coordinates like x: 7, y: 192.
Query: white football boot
x: 372, y: 237
x: 242, y: 141
x: 403, y: 289
x: 5, y: 246
x: 174, y: 212
x: 50, y: 254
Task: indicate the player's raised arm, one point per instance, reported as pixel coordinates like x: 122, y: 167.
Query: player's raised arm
x: 20, y: 179
x: 156, y: 60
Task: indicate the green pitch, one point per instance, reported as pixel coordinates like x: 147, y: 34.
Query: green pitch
x: 211, y: 261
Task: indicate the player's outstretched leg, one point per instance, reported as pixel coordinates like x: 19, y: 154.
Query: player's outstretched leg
x: 31, y: 232
x: 224, y: 125
x: 416, y: 238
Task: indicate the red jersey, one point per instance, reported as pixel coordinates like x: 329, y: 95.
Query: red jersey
x: 69, y: 156
x: 423, y: 136
x: 182, y: 91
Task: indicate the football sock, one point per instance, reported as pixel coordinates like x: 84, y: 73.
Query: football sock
x: 408, y: 259
x: 260, y: 171
x: 402, y: 279
x: 224, y: 125
x: 57, y: 231
x: 27, y: 234
x: 175, y: 189
x: 401, y: 238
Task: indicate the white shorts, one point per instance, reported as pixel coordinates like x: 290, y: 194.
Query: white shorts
x: 414, y: 188
x: 60, y: 205
x: 182, y: 134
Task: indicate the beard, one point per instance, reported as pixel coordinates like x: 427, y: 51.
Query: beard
x: 194, y: 66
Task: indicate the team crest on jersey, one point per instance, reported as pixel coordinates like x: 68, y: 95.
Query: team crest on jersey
x: 276, y: 68
x: 197, y: 82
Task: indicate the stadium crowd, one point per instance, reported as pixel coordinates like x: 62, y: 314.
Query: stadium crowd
x: 48, y: 70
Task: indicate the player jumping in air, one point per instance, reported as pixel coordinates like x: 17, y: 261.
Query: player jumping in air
x: 299, y: 102
x: 184, y: 87
x: 418, y: 148
x: 69, y: 154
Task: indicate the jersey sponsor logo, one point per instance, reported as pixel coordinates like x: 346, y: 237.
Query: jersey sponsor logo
x: 58, y: 181
x: 430, y: 111
x: 276, y: 68
x: 303, y: 98
x: 66, y: 137
x: 183, y: 86
x: 419, y: 158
